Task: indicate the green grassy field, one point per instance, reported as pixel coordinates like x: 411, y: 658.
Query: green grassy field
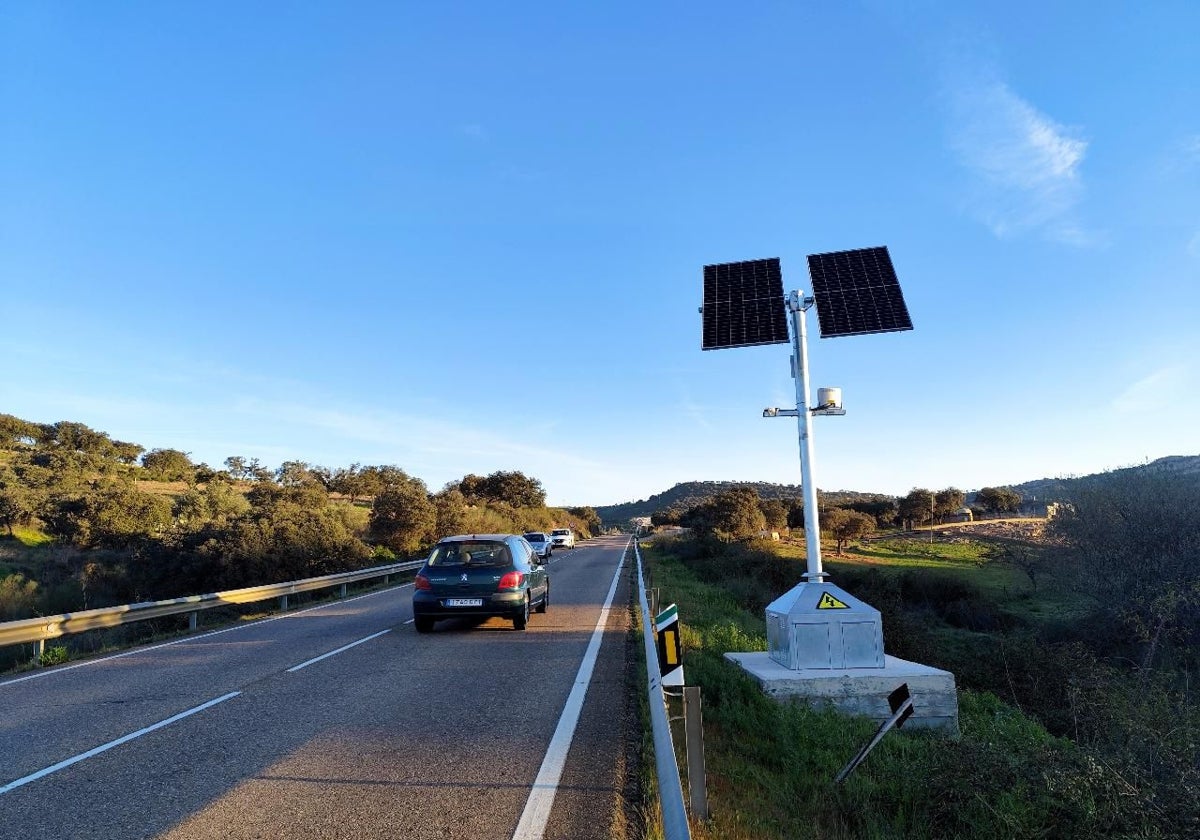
x: 771, y: 765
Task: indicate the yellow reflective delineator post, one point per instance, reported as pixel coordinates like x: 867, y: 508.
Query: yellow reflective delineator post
x: 670, y: 653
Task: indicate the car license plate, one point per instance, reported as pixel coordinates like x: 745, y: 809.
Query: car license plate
x: 464, y: 602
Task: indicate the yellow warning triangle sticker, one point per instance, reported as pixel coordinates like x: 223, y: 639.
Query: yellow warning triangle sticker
x: 828, y: 602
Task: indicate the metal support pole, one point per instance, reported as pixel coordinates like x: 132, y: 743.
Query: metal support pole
x: 39, y: 651
x: 343, y: 590
x: 193, y: 619
x: 693, y: 728
x: 283, y: 603
x: 798, y: 305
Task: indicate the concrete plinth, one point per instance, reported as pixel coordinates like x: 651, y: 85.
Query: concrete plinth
x: 861, y: 691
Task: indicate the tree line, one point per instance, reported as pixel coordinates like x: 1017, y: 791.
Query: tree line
x: 739, y: 512
x: 115, y: 541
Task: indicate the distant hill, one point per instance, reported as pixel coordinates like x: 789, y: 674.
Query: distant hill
x: 1060, y: 489
x: 1042, y: 490
x: 691, y: 493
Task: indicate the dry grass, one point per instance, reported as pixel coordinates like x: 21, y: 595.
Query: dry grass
x: 170, y: 489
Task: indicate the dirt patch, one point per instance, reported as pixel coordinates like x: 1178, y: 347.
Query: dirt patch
x: 1020, y: 530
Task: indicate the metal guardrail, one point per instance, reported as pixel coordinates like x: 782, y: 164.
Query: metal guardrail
x: 670, y: 788
x: 53, y: 626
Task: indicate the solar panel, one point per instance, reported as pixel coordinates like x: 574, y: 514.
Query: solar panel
x: 857, y: 293
x: 743, y: 305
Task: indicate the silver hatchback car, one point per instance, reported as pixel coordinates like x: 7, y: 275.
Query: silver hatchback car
x: 541, y: 544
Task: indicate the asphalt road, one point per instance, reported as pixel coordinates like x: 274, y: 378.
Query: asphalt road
x: 240, y: 734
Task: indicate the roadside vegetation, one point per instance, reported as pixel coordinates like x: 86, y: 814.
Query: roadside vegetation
x: 1076, y: 678
x: 87, y: 521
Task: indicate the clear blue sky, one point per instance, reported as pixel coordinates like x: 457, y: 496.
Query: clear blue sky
x: 464, y: 237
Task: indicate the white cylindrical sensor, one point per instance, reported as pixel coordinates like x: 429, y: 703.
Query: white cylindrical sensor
x: 829, y: 397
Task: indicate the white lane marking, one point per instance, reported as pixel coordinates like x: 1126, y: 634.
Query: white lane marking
x: 545, y: 787
x: 410, y: 621
x: 335, y: 652
x: 54, y: 768
x: 136, y: 651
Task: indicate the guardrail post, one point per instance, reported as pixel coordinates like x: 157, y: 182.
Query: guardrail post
x: 283, y: 603
x: 38, y: 652
x: 193, y: 619
x: 387, y: 579
x: 343, y: 590
x: 693, y: 728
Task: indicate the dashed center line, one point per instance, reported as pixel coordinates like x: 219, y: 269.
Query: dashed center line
x: 335, y: 652
x: 54, y: 768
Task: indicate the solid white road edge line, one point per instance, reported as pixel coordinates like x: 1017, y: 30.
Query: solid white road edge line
x: 545, y: 787
x: 135, y: 651
x: 335, y: 652
x: 54, y: 768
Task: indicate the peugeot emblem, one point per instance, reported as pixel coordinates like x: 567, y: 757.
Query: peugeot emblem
x: 464, y: 577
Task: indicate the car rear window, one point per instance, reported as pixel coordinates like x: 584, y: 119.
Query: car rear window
x: 536, y: 536
x: 560, y: 533
x: 480, y: 553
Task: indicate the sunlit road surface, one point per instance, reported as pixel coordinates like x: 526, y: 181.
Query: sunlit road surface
x: 339, y: 721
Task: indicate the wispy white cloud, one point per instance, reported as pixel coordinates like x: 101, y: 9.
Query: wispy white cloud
x: 1165, y: 386
x: 695, y: 412
x: 1025, y: 166
x: 433, y: 447
x: 1190, y: 148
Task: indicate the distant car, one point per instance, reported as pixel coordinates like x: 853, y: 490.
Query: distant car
x: 480, y: 575
x: 562, y: 538
x: 541, y: 544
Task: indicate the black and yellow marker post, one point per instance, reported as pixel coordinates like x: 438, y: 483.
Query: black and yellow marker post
x: 670, y: 658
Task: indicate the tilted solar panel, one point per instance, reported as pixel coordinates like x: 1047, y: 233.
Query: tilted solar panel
x: 857, y: 293
x: 743, y: 305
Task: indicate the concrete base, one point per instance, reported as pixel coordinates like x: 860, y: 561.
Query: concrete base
x: 861, y: 691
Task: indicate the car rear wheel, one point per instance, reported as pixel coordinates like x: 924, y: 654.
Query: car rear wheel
x: 545, y: 600
x: 423, y: 624
x: 520, y: 621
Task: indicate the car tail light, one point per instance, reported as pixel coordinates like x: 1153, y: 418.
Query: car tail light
x: 421, y: 582
x: 511, y: 580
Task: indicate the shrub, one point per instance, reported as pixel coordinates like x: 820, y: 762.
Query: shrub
x: 56, y: 655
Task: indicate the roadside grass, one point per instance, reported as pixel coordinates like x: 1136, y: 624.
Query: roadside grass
x: 28, y: 551
x: 976, y: 562
x: 771, y: 765
x: 169, y: 489
x: 357, y: 516
x: 31, y: 537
